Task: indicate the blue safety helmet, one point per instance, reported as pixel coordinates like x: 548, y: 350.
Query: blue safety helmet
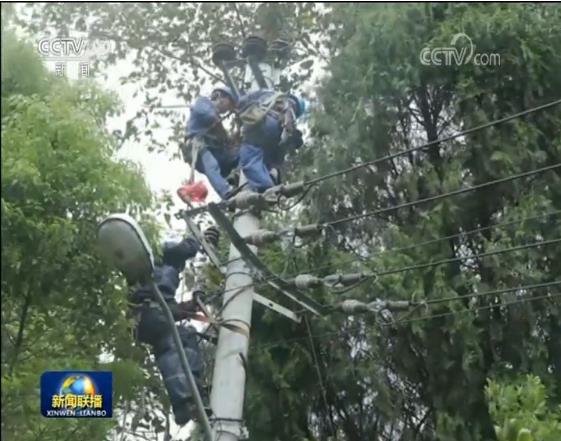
x: 226, y: 91
x: 299, y: 105
x: 174, y: 253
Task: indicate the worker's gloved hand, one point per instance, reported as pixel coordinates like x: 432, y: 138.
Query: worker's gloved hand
x: 293, y: 141
x: 296, y: 139
x: 212, y: 235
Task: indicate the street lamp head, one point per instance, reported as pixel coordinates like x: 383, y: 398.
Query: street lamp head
x: 123, y: 243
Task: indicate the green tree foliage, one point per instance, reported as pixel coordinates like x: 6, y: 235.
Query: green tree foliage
x: 425, y: 379
x: 520, y: 411
x: 421, y: 379
x: 62, y: 307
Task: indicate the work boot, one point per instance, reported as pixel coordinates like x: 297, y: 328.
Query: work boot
x: 195, y: 415
x: 184, y: 412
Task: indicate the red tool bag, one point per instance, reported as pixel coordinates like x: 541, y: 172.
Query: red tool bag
x: 194, y: 192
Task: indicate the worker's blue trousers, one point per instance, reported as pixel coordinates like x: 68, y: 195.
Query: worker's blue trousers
x: 253, y: 161
x: 154, y: 330
x: 215, y: 164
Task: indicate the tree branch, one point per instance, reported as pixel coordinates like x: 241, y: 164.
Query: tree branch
x: 191, y: 61
x: 19, y: 338
x: 166, y: 53
x: 417, y: 428
x: 242, y: 25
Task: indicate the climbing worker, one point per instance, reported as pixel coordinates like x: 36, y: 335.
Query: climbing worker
x: 153, y: 329
x: 269, y: 132
x: 207, y: 146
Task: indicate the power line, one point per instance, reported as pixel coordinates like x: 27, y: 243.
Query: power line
x: 328, y: 334
x: 481, y: 294
x: 439, y: 239
x: 432, y: 241
x: 493, y: 292
x: 441, y: 262
x: 482, y: 308
x: 443, y: 195
x: 473, y: 256
x: 432, y: 143
x: 473, y: 295
x: 320, y: 377
x: 445, y: 261
x: 449, y: 194
x: 468, y: 233
x: 314, y: 181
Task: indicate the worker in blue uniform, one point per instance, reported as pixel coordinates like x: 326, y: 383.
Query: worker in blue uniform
x: 208, y: 147
x: 267, y: 135
x: 153, y: 328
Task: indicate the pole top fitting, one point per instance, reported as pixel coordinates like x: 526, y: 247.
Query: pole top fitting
x: 223, y: 52
x: 255, y: 48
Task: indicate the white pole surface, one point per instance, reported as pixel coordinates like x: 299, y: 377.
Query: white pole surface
x: 228, y: 383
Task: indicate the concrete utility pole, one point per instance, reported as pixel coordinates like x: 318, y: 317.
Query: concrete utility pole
x: 228, y: 381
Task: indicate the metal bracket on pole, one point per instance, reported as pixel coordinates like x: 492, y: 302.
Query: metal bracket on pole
x: 276, y: 307
x: 257, y: 73
x: 229, y: 80
x: 209, y: 249
x: 216, y: 261
x: 302, y: 299
x: 255, y: 49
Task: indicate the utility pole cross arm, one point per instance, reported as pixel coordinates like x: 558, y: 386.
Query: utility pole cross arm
x: 238, y: 242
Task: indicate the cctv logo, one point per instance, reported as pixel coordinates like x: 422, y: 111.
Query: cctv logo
x: 446, y: 55
x: 449, y: 56
x: 61, y: 47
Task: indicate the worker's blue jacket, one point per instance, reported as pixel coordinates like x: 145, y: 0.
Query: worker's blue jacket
x: 204, y: 121
x: 267, y: 133
x: 166, y: 274
x: 153, y: 328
